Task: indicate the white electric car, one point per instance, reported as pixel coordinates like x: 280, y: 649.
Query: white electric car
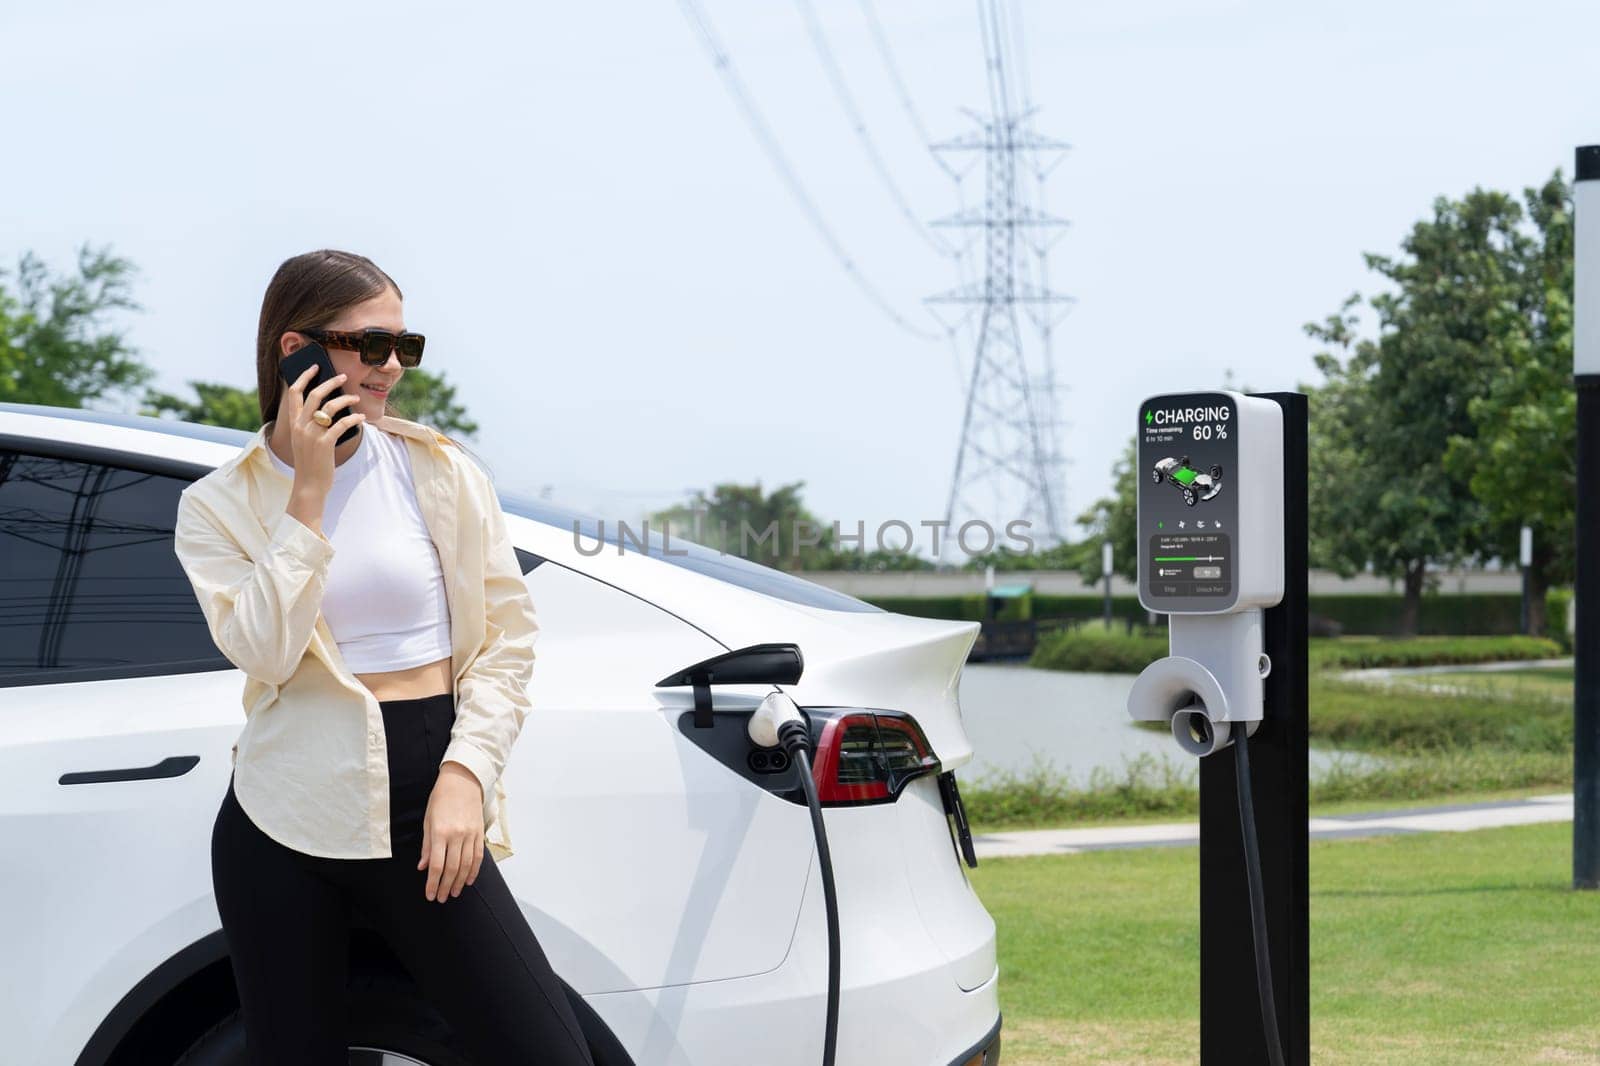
x: 668, y: 867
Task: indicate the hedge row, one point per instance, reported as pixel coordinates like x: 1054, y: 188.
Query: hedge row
x: 1090, y: 650
x: 1096, y: 654
x: 1363, y: 653
x: 1472, y: 614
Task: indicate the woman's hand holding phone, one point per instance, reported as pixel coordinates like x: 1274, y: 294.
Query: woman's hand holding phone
x: 312, y: 444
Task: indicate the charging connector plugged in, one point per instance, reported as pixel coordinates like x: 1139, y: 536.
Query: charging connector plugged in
x: 778, y: 723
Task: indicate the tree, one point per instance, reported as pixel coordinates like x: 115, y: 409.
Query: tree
x: 742, y: 520
x: 54, y: 347
x: 421, y: 396
x: 874, y: 560
x: 1381, y: 491
x: 1062, y: 556
x: 217, y: 405
x: 1114, y: 518
x: 1521, y: 463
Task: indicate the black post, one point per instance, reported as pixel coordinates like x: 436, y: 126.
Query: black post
x: 1586, y: 630
x: 1231, y: 1032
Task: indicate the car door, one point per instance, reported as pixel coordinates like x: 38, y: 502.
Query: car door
x: 117, y: 715
x: 640, y: 859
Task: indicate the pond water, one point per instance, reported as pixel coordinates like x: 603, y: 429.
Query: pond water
x: 1070, y: 722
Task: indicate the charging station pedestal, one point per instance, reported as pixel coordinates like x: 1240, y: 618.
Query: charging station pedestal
x: 1230, y: 1033
x: 1222, y: 551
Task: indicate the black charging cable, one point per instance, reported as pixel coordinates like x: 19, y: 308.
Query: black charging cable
x: 1258, y: 906
x: 795, y: 737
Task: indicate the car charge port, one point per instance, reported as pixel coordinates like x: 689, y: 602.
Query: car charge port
x: 769, y: 761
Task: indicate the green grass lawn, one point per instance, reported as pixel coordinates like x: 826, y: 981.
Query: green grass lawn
x: 1406, y: 716
x: 1459, y: 948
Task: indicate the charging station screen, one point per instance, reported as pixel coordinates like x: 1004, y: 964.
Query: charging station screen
x: 1188, y: 509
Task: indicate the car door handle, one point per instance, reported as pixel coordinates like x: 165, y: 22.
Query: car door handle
x: 171, y: 766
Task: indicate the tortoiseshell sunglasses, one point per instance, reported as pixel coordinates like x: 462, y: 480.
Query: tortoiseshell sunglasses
x: 374, y: 344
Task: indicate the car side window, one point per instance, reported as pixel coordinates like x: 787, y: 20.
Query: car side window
x: 89, y: 585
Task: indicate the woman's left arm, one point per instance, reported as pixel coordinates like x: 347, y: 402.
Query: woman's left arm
x: 492, y: 698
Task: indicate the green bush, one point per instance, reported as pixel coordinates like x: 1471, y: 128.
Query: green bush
x: 1042, y: 796
x: 1015, y: 608
x: 1356, y: 653
x: 1091, y: 649
x: 960, y: 608
x: 1440, y: 614
x: 1090, y: 607
x: 969, y: 608
x: 1555, y: 617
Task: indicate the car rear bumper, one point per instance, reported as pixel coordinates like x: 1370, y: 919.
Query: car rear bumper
x: 900, y: 1002
x: 986, y: 1052
x: 777, y: 1019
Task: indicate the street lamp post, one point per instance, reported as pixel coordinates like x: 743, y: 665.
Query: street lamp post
x: 1105, y: 572
x: 1586, y: 632
x: 1525, y: 560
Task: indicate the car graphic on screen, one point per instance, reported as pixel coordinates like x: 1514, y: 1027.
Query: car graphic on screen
x: 1194, y: 485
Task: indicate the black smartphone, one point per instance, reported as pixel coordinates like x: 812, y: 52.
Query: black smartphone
x: 291, y: 366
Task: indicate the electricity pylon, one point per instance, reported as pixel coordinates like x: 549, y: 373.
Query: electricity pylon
x: 1010, y: 422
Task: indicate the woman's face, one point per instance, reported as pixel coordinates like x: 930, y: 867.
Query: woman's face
x: 370, y: 384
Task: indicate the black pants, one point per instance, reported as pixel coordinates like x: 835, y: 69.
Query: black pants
x: 285, y: 916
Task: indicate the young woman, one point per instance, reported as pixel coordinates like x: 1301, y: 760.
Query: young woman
x: 370, y: 595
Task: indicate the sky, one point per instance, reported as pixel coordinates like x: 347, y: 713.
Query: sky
x: 628, y: 297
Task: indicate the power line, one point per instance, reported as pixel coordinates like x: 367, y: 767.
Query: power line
x: 1019, y: 54
x: 858, y: 125
x: 768, y: 140
x: 881, y: 39
x: 960, y: 252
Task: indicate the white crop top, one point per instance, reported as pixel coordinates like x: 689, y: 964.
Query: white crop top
x: 385, y: 595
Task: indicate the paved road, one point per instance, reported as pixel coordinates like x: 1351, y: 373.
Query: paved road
x: 1456, y: 819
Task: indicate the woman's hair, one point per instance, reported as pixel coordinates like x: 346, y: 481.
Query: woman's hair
x: 307, y: 292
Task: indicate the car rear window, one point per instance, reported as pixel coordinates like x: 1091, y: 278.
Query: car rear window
x: 768, y: 581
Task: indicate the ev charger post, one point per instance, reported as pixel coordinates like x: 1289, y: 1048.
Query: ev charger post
x: 1586, y: 631
x: 1221, y: 532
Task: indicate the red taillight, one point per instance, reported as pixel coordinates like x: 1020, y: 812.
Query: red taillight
x: 863, y: 757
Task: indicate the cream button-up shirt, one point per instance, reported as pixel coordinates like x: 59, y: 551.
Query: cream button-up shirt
x: 311, y: 764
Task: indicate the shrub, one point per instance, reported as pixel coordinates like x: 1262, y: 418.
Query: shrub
x: 1042, y: 796
x: 1354, y: 653
x: 1091, y: 649
x: 1555, y: 617
x: 1375, y: 614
